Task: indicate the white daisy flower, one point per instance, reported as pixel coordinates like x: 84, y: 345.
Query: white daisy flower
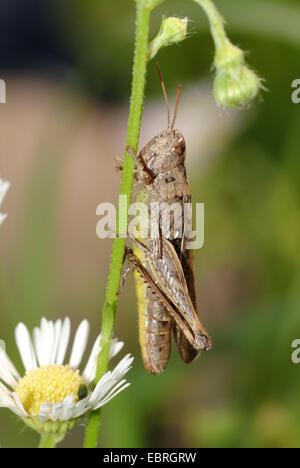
x: 4, y: 186
x: 53, y: 395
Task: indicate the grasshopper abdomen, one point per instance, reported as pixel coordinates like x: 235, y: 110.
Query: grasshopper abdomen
x: 155, y: 328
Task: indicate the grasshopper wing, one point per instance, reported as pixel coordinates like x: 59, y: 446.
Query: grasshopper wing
x: 187, y: 352
x: 166, y: 277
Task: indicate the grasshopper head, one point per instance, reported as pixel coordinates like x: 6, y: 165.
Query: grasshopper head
x: 162, y: 159
x: 163, y: 164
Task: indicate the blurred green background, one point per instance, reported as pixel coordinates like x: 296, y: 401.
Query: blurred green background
x: 67, y: 66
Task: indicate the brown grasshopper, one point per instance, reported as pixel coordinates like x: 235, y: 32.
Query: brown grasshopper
x: 164, y: 271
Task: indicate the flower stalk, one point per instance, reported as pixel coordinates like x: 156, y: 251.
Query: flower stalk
x: 50, y: 440
x: 236, y: 85
x: 216, y: 22
x: 143, y: 11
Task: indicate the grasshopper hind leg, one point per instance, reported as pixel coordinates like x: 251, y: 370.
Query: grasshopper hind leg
x: 187, y: 352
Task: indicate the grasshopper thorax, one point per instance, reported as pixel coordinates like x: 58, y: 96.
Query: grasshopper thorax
x: 164, y: 152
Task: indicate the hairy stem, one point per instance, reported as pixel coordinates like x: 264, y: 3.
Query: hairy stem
x: 50, y: 440
x: 143, y: 10
x: 216, y: 22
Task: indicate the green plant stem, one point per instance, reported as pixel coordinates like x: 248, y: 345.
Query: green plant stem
x: 216, y: 22
x: 49, y: 440
x: 143, y: 10
x: 153, y: 3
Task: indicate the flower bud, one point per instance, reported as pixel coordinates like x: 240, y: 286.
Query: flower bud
x: 172, y: 30
x: 236, y: 85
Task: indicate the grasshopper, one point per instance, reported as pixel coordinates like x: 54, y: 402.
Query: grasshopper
x: 163, y: 267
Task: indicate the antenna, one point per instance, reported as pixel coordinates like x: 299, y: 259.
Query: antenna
x: 176, y: 105
x: 166, y: 98
x: 164, y: 91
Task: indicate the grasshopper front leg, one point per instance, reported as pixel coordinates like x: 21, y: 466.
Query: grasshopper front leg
x: 124, y: 275
x: 145, y: 174
x: 119, y: 164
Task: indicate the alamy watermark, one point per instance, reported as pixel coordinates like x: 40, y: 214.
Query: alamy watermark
x: 296, y: 93
x: 296, y: 353
x: 150, y: 221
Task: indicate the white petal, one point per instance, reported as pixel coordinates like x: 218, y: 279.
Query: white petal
x: 63, y: 341
x: 44, y: 341
x: 2, y: 218
x: 68, y: 408
x: 5, y: 396
x: 81, y: 408
x: 68, y: 399
x: 123, y: 367
x: 16, y: 410
x: 68, y: 412
x: 57, y: 410
x: 4, y: 186
x: 111, y: 395
x: 45, y: 411
x: 48, y: 340
x: 11, y: 401
x: 115, y: 347
x: 89, y: 372
x: 79, y: 345
x: 8, y: 372
x: 110, y: 379
x: 25, y: 347
x: 102, y: 387
x: 100, y: 395
x: 38, y: 344
x: 57, y: 332
x: 19, y: 404
x: 79, y: 414
x: 8, y: 400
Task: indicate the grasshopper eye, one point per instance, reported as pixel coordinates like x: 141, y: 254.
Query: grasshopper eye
x: 169, y: 179
x: 82, y: 392
x: 179, y: 147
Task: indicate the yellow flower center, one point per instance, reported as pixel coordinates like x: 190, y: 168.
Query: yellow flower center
x: 48, y: 384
